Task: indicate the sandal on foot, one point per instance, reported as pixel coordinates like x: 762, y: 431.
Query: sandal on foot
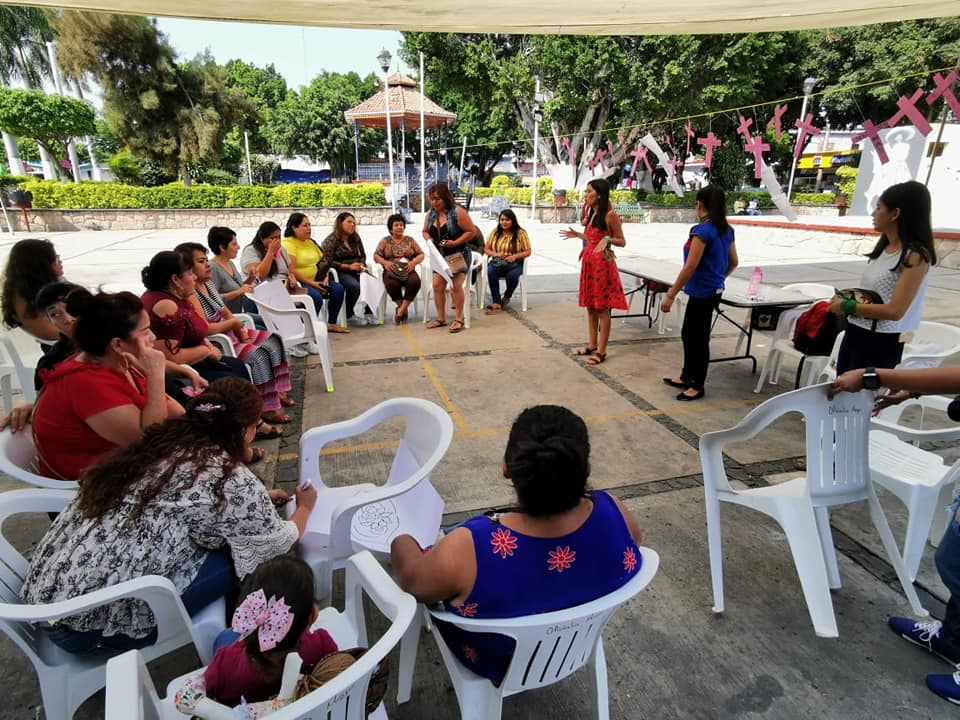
x: 435, y: 324
x: 456, y: 326
x: 276, y: 416
x: 256, y: 455
x: 597, y: 358
x: 506, y: 301
x: 582, y: 352
x: 264, y: 434
x: 492, y: 308
x: 331, y: 327
x: 287, y: 401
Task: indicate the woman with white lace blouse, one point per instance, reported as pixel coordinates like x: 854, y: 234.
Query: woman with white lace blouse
x: 178, y: 503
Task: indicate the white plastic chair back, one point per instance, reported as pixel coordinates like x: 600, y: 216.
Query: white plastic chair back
x: 67, y: 680
x: 18, y: 459
x: 549, y: 647
x: 22, y: 351
x: 829, y: 371
x: 932, y: 343
x: 439, y: 265
x: 295, y: 324
x: 836, y: 443
x: 341, y: 698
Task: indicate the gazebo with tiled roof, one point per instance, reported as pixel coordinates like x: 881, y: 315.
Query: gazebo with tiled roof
x: 405, y: 103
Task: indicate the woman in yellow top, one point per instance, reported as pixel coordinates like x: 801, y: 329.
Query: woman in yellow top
x: 307, y: 265
x: 507, y: 246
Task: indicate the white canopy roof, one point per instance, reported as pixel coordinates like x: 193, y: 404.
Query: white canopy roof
x: 571, y: 17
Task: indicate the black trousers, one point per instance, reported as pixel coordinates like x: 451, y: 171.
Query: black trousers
x: 697, y: 322
x: 862, y: 348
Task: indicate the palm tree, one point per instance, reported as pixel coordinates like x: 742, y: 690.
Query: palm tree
x: 24, y: 32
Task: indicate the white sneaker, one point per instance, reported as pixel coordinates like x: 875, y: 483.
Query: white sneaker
x: 298, y: 351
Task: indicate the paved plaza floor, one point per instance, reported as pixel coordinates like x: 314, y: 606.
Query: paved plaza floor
x: 668, y: 655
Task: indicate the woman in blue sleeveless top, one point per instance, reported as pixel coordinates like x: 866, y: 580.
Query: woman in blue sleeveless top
x: 563, y: 546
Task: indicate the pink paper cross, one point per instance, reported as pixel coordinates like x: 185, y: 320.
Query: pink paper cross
x: 690, y: 134
x: 757, y: 146
x: 744, y: 127
x: 806, y: 127
x: 908, y: 109
x: 944, y: 85
x: 709, y: 142
x: 870, y: 132
x: 571, y: 150
x: 778, y: 111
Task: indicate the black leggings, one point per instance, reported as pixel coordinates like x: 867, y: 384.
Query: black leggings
x: 697, y: 323
x: 862, y: 348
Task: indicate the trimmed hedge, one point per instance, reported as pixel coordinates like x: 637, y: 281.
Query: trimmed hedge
x: 102, y: 195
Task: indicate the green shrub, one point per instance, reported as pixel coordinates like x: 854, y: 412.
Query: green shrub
x: 126, y: 168
x: 500, y: 182
x: 847, y: 181
x: 670, y: 199
x: 12, y: 180
x: 818, y: 199
x: 104, y: 195
x: 214, y: 176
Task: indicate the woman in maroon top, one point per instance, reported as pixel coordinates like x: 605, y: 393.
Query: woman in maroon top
x: 104, y: 396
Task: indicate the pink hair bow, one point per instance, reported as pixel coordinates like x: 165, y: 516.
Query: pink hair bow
x: 271, y: 619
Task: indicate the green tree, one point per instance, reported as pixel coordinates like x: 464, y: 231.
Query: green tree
x: 173, y: 114
x: 51, y: 120
x: 265, y: 88
x: 853, y: 56
x: 23, y: 54
x: 311, y: 122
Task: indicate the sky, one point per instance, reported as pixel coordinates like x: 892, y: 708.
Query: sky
x: 298, y: 53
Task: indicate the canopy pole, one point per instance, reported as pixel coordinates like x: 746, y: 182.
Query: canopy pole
x: 423, y: 150
x: 386, y: 102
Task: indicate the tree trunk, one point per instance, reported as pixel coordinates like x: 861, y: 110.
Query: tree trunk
x: 50, y: 170
x: 13, y: 155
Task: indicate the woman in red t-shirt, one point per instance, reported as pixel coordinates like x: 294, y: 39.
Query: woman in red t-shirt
x: 105, y: 395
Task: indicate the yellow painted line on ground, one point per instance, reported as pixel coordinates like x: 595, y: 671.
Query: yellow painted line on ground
x: 590, y: 420
x: 435, y: 379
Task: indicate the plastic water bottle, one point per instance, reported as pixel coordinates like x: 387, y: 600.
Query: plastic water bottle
x: 753, y: 291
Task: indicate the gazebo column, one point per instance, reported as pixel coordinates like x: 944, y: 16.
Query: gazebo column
x: 403, y: 160
x: 356, y: 148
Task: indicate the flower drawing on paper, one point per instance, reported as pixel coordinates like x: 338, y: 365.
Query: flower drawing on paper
x: 629, y: 559
x: 561, y: 558
x: 503, y: 542
x: 470, y: 654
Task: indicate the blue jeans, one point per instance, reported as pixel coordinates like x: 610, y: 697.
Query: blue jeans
x: 351, y: 285
x: 215, y: 578
x: 333, y: 302
x: 948, y: 565
x: 512, y: 277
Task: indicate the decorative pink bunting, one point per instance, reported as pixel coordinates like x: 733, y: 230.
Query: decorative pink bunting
x: 944, y: 85
x: 597, y: 159
x: 757, y: 146
x: 709, y: 142
x: 675, y: 163
x: 571, y: 150
x: 871, y: 133
x: 690, y: 134
x: 806, y: 127
x: 775, y: 121
x: 908, y: 109
x: 744, y: 127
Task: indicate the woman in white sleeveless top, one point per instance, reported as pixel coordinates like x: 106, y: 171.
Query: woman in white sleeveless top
x: 897, y: 270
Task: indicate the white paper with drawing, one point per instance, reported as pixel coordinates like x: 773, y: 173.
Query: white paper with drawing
x: 437, y: 263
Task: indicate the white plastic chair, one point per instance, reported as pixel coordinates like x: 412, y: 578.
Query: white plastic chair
x: 932, y: 343
x: 782, y: 343
x: 828, y: 373
x: 223, y: 341
x: 294, y: 324
x: 18, y: 459
x: 921, y: 480
x: 342, y: 317
x: 22, y: 353
x: 366, y: 516
x: 482, y: 283
x: 838, y: 473
x: 439, y: 265
x: 549, y: 647
x: 131, y: 692
x: 67, y: 680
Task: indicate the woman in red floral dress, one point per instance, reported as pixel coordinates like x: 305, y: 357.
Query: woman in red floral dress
x: 562, y: 546
x: 600, y: 288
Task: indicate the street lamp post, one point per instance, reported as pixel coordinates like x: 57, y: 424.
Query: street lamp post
x: 384, y: 57
x: 808, y: 86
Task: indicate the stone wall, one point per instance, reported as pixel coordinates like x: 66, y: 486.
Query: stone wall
x: 53, y: 220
